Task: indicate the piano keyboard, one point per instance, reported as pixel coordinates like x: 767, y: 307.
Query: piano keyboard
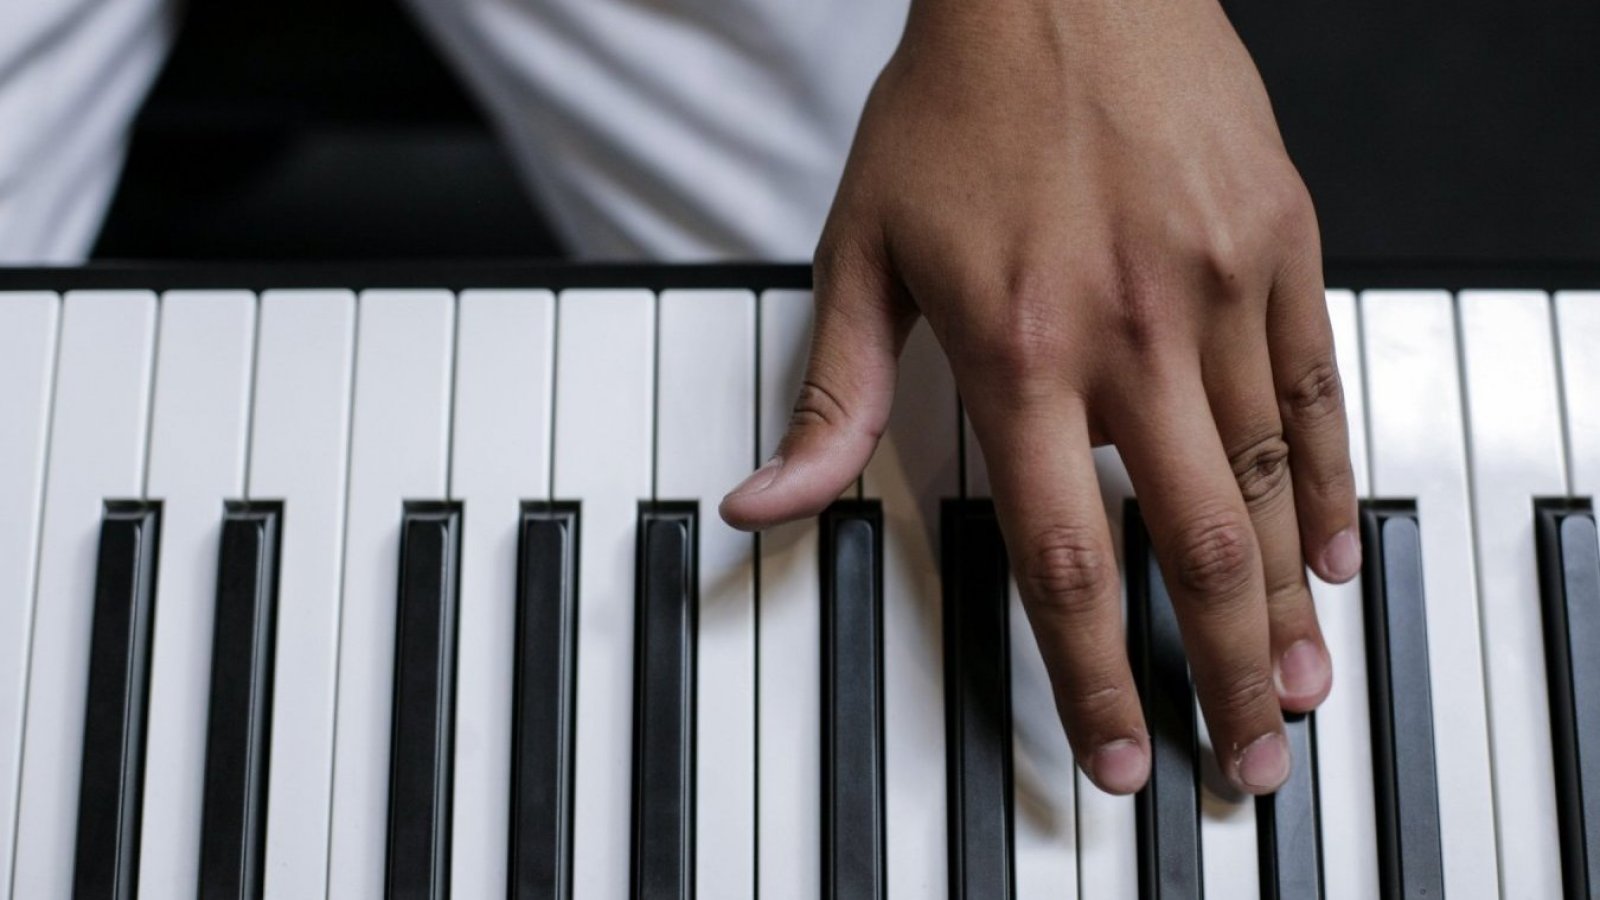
x: 337, y: 593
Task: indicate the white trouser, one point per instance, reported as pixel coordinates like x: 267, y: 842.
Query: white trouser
x: 667, y: 129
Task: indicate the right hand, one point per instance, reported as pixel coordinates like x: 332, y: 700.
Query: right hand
x: 1090, y: 203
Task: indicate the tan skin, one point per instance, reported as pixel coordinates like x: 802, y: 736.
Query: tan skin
x: 1090, y: 203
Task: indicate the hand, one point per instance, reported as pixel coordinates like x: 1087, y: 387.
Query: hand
x: 1090, y: 203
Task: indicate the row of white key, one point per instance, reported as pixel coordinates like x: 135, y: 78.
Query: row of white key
x: 313, y: 397
x: 1467, y: 405
x: 354, y: 399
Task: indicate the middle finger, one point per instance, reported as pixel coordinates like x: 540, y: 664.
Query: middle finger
x: 1206, y: 543
x: 1238, y: 379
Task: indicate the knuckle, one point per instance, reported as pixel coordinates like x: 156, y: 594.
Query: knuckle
x: 1287, y: 590
x: 1334, y: 483
x: 1031, y: 284
x: 1098, y: 703
x: 1142, y: 320
x: 1144, y: 315
x: 1262, y: 470
x: 1141, y: 316
x: 1149, y: 302
x: 1024, y: 345
x: 1289, y: 207
x: 1034, y: 322
x: 1316, y: 396
x: 1241, y: 692
x: 1214, y: 556
x: 1223, y: 260
x: 1020, y: 352
x: 1224, y: 254
x: 1067, y: 570
x: 817, y: 407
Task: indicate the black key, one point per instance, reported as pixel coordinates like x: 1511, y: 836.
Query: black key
x: 1410, y: 862
x: 851, y: 551
x: 424, y: 701
x: 1569, y: 579
x: 1286, y: 822
x: 112, y: 781
x: 668, y: 599
x: 233, y: 812
x: 1169, y: 805
x: 545, y: 680
x: 977, y: 673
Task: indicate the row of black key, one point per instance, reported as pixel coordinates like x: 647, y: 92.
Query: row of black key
x: 977, y: 706
x: 239, y: 720
x: 1168, y: 809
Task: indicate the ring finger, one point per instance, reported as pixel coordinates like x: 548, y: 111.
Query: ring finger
x: 1244, y: 404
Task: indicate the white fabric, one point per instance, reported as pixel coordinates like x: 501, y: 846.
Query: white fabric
x: 664, y: 129
x: 72, y: 75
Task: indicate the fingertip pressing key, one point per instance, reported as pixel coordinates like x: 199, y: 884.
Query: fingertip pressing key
x: 1341, y: 558
x: 1263, y: 766
x: 1303, y: 674
x: 1121, y: 766
x: 757, y: 481
x: 736, y: 507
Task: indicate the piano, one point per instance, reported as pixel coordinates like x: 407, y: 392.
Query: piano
x: 408, y: 581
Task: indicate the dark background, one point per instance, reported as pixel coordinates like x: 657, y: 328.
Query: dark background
x: 1427, y: 131
x: 314, y: 129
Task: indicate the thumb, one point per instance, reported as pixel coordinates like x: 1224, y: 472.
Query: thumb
x: 844, y: 398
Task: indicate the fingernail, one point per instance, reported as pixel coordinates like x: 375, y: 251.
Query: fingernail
x: 1302, y: 670
x: 760, y: 479
x: 1264, y: 765
x: 1341, y: 559
x: 1120, y: 767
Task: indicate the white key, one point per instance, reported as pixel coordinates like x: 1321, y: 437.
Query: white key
x: 790, y: 711
x: 705, y: 443
x: 1514, y: 422
x: 1044, y: 811
x: 1228, y: 861
x: 499, y: 457
x: 1345, y: 805
x: 97, y: 450
x: 28, y: 331
x: 399, y: 451
x: 605, y: 362
x: 1108, y: 846
x: 1418, y: 450
x: 299, y: 448
x: 1578, y: 321
x: 198, y: 434
x: 917, y: 465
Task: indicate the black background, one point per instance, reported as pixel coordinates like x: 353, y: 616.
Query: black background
x: 1427, y: 131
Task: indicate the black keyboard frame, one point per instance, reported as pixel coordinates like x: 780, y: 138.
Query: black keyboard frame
x: 450, y: 275
x: 557, y: 275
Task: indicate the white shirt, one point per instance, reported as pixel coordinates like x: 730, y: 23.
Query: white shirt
x: 664, y: 129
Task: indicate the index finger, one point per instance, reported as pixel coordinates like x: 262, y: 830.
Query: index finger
x: 1048, y: 501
